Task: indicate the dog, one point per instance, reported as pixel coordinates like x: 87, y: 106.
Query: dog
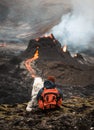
x: 37, y: 85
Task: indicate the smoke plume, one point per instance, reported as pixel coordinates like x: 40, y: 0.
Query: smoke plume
x: 76, y: 28
x: 24, y: 19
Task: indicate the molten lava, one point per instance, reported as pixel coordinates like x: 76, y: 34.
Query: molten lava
x: 48, y: 35
x: 3, y: 45
x: 64, y: 48
x: 28, y: 63
x: 45, y: 35
x: 37, y: 39
x: 75, y: 55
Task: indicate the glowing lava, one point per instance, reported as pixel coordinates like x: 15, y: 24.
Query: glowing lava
x: 3, y: 45
x: 64, y: 48
x: 48, y: 35
x: 45, y: 36
x: 75, y: 55
x: 37, y: 39
x: 28, y: 63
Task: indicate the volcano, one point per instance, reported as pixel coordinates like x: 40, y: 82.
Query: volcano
x: 74, y: 76
x: 53, y: 60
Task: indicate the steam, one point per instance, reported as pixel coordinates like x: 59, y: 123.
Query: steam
x: 76, y: 28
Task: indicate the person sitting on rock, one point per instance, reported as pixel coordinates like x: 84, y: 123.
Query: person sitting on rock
x: 38, y: 88
x: 49, y: 96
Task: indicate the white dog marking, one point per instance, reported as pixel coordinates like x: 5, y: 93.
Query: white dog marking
x: 37, y: 85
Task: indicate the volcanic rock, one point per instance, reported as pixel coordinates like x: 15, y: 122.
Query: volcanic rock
x: 70, y: 74
x: 54, y: 61
x: 76, y: 113
x: 75, y: 79
x: 49, y: 49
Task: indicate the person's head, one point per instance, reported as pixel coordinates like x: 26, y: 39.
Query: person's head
x: 50, y: 82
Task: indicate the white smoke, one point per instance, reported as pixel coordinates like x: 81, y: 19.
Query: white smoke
x: 76, y: 28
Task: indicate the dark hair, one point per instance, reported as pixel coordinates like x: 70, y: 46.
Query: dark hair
x: 49, y: 84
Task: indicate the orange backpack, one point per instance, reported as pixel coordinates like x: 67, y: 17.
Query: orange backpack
x: 50, y: 98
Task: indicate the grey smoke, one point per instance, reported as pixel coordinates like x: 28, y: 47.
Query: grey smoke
x: 76, y: 28
x: 26, y: 19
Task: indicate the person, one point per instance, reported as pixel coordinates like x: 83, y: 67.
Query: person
x: 38, y: 88
x: 37, y: 85
x: 50, y: 88
x: 49, y: 83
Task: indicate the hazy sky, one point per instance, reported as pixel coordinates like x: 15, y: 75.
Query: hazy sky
x: 71, y: 21
x: 31, y: 17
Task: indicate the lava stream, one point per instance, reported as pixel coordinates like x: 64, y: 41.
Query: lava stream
x: 28, y: 64
x: 64, y: 48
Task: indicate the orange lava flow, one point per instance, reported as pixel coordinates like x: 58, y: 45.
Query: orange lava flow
x: 2, y: 45
x: 28, y: 64
x: 65, y: 48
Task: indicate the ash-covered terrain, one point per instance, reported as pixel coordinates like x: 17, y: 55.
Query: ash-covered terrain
x: 74, y: 76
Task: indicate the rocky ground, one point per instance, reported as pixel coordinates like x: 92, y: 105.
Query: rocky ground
x: 76, y: 114
x: 74, y: 76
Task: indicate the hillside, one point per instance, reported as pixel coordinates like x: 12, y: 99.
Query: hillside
x: 74, y: 76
